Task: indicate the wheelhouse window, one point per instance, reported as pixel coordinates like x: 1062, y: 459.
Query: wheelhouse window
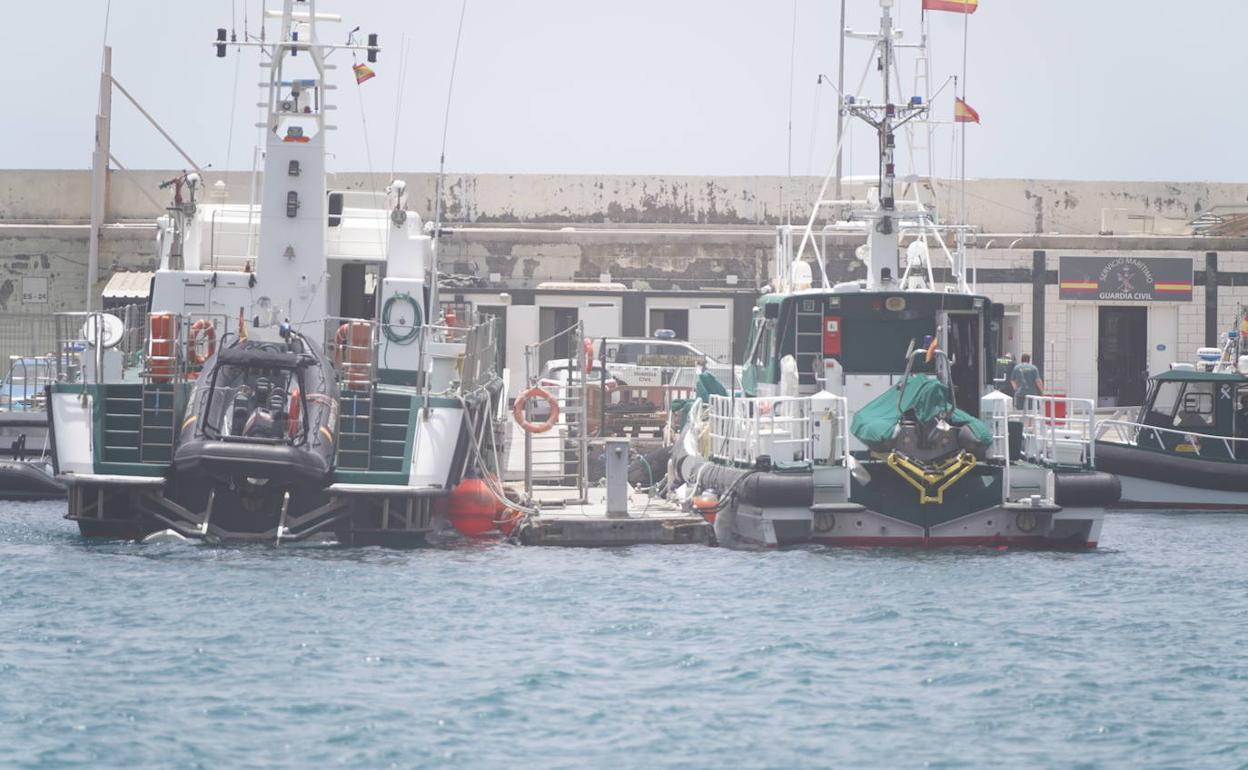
x: 763, y: 342
x: 1164, y: 402
x: 1195, y: 406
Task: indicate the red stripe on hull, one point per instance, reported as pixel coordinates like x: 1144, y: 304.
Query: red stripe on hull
x: 986, y: 541
x: 1131, y: 505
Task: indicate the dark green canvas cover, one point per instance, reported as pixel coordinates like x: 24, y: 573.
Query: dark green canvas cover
x: 927, y: 396
x: 708, y: 385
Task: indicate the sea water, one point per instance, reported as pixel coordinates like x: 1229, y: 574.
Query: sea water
x: 117, y: 654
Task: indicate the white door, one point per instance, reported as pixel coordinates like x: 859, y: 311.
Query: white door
x: 522, y: 329
x: 710, y: 330
x: 1081, y: 333
x: 1163, y: 337
x: 600, y: 319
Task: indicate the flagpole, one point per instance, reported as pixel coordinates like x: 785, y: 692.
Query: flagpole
x: 966, y: 18
x: 840, y: 101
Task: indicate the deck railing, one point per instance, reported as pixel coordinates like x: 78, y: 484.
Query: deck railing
x: 1127, y: 432
x: 354, y: 345
x: 788, y: 430
x: 1059, y: 432
x: 75, y: 330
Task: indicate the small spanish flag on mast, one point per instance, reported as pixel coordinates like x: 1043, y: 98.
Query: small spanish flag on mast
x: 963, y: 112
x: 363, y: 72
x: 954, y: 6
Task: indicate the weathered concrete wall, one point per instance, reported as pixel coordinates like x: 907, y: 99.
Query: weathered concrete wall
x: 58, y: 253
x: 994, y: 205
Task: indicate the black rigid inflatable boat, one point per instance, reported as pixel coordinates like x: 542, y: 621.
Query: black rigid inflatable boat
x: 262, y: 413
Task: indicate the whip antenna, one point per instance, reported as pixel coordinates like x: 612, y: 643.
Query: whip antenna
x: 437, y: 198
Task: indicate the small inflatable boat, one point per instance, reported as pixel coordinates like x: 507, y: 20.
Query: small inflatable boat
x: 264, y: 412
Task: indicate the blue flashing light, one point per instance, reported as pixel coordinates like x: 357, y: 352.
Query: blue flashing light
x: 850, y: 100
x: 664, y: 334
x: 916, y: 101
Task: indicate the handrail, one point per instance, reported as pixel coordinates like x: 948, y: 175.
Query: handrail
x: 1229, y: 443
x: 744, y: 429
x: 1045, y: 433
x: 1177, y: 431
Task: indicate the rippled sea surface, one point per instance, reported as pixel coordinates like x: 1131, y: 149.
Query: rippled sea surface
x: 117, y: 654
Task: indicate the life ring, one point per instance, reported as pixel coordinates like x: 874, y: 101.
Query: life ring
x: 292, y: 412
x: 205, y: 329
x: 588, y: 346
x: 517, y: 411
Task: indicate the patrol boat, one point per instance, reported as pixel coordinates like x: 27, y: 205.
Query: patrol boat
x: 238, y: 404
x: 1186, y: 449
x: 867, y: 415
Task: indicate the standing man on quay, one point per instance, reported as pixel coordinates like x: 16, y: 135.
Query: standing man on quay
x: 1026, y: 381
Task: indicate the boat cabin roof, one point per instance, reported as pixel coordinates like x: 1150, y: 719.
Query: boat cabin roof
x: 1190, y: 375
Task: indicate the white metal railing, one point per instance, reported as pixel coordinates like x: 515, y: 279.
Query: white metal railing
x: 563, y: 452
x: 353, y: 344
x: 744, y: 429
x: 77, y: 330
x: 1127, y: 432
x: 1059, y: 431
x: 996, y: 412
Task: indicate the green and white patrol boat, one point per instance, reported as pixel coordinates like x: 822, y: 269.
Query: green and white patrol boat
x: 867, y: 415
x: 264, y: 392
x: 1186, y: 449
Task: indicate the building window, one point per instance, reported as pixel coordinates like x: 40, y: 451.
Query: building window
x: 675, y: 320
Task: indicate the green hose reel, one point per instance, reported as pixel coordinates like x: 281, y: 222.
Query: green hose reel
x: 404, y: 334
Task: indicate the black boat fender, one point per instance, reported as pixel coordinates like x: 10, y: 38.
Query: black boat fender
x: 1085, y: 489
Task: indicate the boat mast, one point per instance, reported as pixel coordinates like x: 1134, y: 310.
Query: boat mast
x: 99, y: 173
x: 885, y: 118
x: 291, y: 265
x: 881, y: 252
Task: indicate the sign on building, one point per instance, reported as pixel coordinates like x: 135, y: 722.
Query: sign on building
x: 34, y: 291
x: 1135, y: 279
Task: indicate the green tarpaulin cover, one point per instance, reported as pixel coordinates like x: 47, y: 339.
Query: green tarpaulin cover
x: 708, y: 385
x: 927, y: 396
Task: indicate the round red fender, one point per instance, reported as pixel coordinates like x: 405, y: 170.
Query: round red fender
x: 517, y: 411
x: 471, y: 509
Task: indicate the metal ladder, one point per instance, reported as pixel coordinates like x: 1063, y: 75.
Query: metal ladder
x: 808, y: 339
x: 156, y: 429
x: 355, y: 429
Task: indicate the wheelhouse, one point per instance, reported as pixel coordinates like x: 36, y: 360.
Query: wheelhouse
x: 868, y: 334
x: 1188, y: 408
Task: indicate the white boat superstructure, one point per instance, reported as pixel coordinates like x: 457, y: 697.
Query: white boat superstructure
x: 293, y: 374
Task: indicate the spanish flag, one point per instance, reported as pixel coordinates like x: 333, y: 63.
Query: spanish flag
x: 955, y: 6
x: 963, y: 112
x: 363, y: 72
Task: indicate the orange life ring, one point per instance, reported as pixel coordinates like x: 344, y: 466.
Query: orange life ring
x: 292, y: 412
x: 517, y: 411
x: 205, y: 329
x: 588, y: 346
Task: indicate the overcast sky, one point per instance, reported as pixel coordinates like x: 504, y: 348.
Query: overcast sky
x: 1077, y: 89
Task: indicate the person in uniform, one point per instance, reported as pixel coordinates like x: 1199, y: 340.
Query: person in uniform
x: 1026, y: 381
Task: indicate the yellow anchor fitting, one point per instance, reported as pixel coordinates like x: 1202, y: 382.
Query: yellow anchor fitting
x: 931, y: 484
